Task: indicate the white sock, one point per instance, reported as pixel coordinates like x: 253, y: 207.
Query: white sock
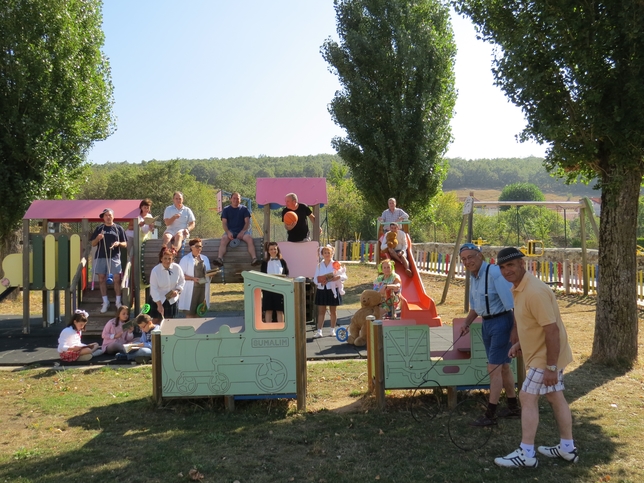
x: 118, y: 301
x: 567, y: 445
x: 105, y: 300
x: 528, y: 449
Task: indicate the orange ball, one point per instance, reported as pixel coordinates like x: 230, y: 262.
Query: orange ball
x: 290, y: 217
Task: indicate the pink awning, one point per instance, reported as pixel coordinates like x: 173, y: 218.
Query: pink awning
x: 77, y: 210
x: 310, y: 191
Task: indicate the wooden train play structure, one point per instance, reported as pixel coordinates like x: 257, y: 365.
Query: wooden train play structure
x: 399, y: 357
x: 240, y: 357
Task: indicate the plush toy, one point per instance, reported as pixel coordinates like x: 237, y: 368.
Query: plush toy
x: 369, y: 305
x: 392, y: 241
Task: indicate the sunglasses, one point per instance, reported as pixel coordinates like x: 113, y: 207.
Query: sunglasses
x: 469, y: 246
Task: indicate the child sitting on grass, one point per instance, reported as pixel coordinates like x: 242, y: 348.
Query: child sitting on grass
x: 70, y: 346
x: 142, y: 351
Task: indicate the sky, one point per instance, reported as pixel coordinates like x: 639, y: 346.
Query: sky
x: 200, y: 79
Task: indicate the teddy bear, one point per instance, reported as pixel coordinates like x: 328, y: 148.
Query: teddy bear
x: 369, y: 305
x: 392, y: 240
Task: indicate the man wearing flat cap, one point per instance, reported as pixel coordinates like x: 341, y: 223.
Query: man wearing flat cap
x: 490, y: 298
x: 544, y: 344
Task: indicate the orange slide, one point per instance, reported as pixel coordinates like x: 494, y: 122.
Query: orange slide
x: 414, y: 302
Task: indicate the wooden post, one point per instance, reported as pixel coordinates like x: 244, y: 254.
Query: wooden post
x: 452, y: 265
x: 452, y: 397
x: 316, y: 224
x: 300, y: 341
x: 157, y: 383
x: 566, y: 276
x: 25, y: 277
x: 135, y: 270
x: 470, y: 229
x: 379, y: 363
x: 584, y: 259
x: 267, y: 223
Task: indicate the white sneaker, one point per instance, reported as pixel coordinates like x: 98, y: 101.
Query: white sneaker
x: 104, y: 307
x: 333, y: 332
x: 557, y: 452
x: 516, y: 459
x: 318, y: 334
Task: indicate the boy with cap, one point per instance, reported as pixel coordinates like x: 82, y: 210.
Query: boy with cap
x: 490, y: 298
x: 544, y: 344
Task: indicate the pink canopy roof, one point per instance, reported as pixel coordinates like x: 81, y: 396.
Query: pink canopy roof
x: 310, y: 191
x: 77, y: 210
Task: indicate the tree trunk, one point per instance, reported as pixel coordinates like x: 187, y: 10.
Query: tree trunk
x: 615, y: 341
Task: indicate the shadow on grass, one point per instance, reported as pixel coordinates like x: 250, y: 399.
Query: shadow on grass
x: 265, y: 441
x: 587, y: 377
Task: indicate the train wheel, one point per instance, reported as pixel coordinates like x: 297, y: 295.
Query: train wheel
x: 186, y: 384
x: 219, y: 383
x: 271, y: 376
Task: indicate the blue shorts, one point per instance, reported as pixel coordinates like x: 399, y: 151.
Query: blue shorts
x: 496, y: 338
x: 100, y: 266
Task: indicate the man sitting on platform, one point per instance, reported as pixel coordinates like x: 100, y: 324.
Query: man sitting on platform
x: 235, y: 219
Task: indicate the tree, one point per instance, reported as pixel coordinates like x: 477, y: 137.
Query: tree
x: 575, y: 69
x: 55, y: 100
x: 157, y: 181
x: 395, y: 63
x: 520, y: 192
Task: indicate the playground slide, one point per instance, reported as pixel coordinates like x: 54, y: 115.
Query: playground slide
x: 415, y: 303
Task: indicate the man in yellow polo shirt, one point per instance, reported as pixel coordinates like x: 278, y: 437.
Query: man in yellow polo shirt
x: 544, y: 344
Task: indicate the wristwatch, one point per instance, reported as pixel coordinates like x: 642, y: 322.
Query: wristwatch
x: 552, y: 368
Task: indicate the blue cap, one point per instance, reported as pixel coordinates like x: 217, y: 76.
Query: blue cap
x: 469, y: 246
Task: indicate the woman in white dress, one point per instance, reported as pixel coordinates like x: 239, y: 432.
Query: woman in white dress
x: 197, y: 287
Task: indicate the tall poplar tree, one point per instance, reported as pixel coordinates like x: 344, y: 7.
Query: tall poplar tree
x: 575, y: 68
x: 55, y: 99
x: 395, y: 61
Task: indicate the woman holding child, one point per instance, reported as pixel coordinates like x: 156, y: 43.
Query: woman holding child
x: 327, y: 293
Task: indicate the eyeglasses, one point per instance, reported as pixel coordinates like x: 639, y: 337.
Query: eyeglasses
x: 196, y: 246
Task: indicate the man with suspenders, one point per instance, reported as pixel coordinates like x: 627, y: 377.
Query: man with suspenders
x: 491, y: 298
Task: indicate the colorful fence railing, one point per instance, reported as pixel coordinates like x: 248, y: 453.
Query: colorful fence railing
x: 564, y: 275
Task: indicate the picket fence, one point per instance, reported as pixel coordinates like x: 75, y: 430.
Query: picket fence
x: 560, y: 268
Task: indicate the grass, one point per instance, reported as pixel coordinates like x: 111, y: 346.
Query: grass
x: 101, y: 425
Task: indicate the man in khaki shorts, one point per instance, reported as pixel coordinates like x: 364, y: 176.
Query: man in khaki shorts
x: 544, y: 344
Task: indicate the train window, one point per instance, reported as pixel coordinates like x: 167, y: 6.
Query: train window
x: 266, y: 320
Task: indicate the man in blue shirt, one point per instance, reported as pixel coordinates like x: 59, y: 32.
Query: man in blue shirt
x: 235, y: 219
x: 491, y: 298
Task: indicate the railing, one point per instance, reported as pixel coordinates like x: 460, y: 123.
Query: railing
x: 561, y: 268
